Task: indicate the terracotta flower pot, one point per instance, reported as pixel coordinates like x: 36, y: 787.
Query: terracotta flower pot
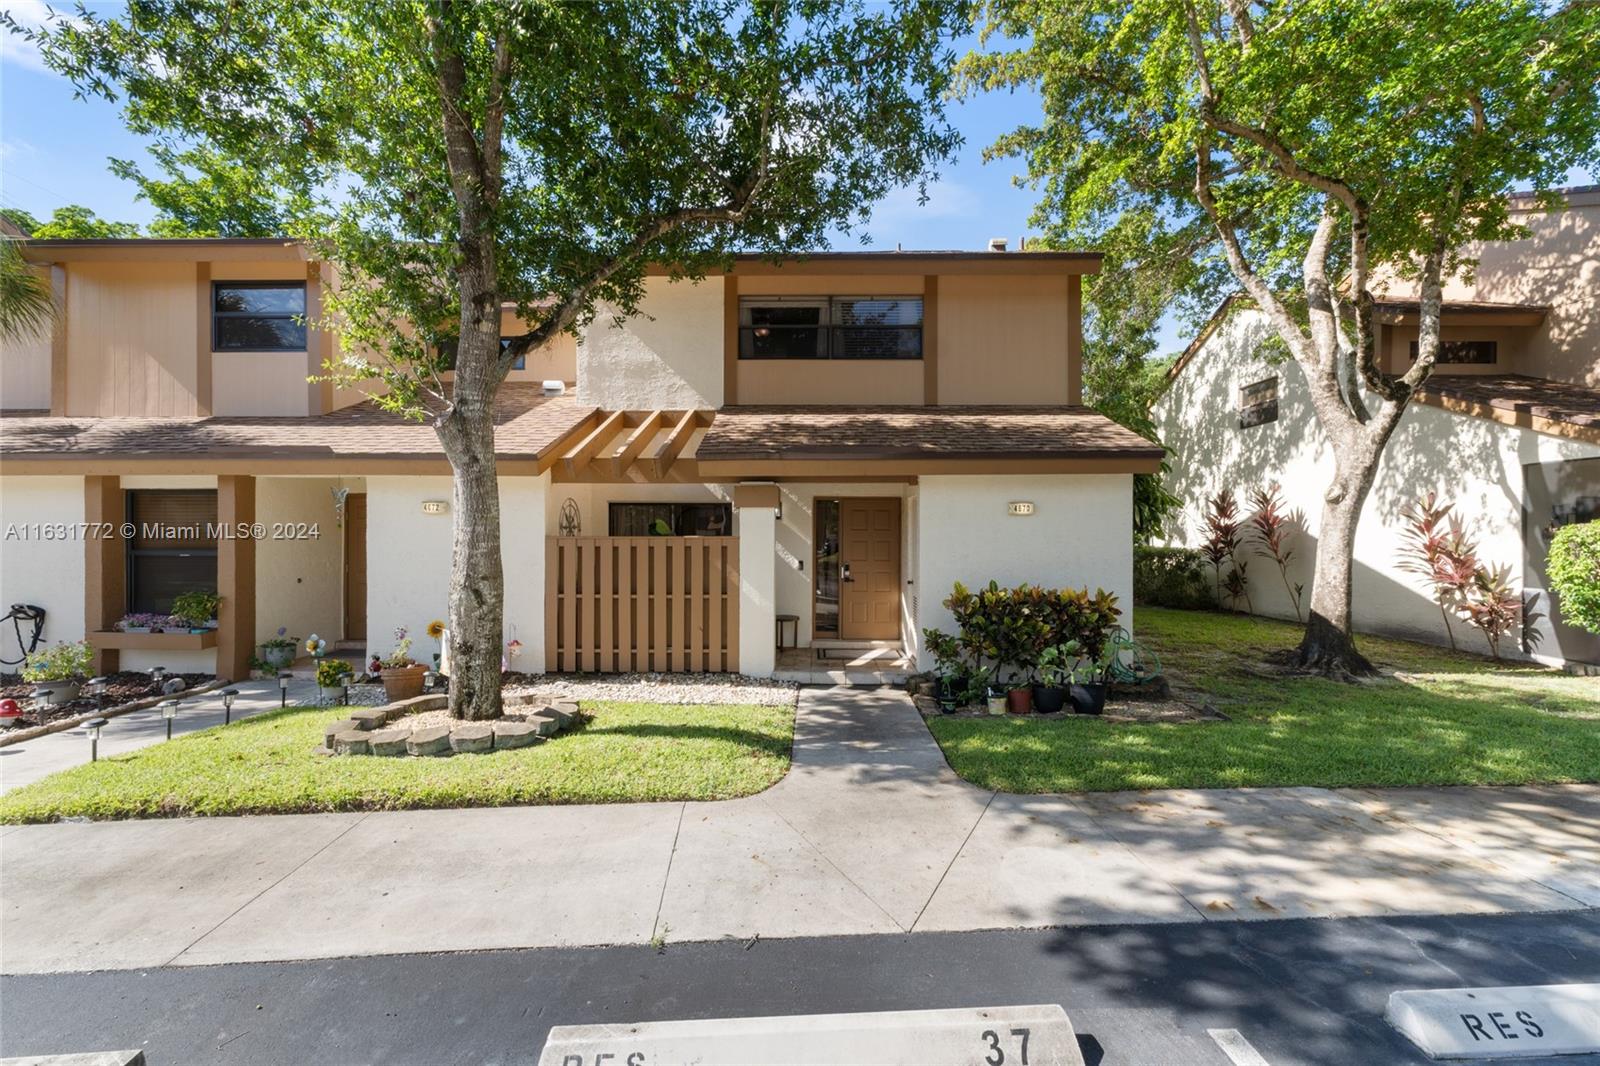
x: 402, y: 683
x: 1020, y: 700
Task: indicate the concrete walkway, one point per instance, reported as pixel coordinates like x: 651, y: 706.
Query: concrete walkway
x: 24, y: 763
x: 869, y: 832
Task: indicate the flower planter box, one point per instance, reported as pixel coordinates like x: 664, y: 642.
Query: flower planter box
x: 146, y: 640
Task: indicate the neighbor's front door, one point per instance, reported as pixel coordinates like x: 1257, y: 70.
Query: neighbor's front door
x: 869, y: 569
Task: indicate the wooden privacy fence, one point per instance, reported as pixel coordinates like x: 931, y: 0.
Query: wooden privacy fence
x: 621, y: 604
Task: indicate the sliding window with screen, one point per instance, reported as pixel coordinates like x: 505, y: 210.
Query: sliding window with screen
x: 830, y: 327
x: 258, y: 316
x: 173, y: 548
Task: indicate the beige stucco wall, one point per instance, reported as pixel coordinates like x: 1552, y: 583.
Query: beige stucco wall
x: 44, y: 568
x: 300, y: 582
x: 669, y: 355
x: 1475, y: 462
x: 131, y: 338
x: 831, y: 381
x: 1079, y: 536
x: 1557, y: 264
x: 25, y: 368
x: 408, y: 562
x: 1003, y: 339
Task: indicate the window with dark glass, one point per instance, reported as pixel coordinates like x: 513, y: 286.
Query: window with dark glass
x: 173, y: 549
x: 258, y: 316
x: 837, y: 327
x: 671, y: 520
x: 1480, y: 352
x: 1258, y: 403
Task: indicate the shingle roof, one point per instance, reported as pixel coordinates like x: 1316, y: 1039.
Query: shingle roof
x: 817, y: 432
x: 1557, y: 401
x: 527, y: 423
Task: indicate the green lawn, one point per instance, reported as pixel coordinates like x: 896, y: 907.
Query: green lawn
x: 624, y: 752
x: 1443, y: 719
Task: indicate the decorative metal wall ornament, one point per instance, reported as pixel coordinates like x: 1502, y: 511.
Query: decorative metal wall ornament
x: 340, y: 494
x: 571, y: 523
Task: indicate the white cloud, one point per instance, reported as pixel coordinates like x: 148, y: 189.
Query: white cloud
x: 14, y: 49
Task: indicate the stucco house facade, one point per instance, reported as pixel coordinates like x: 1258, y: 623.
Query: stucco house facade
x: 1507, y: 429
x: 807, y: 453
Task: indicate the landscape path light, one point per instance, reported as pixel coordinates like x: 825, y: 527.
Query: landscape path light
x: 169, y: 711
x: 94, y: 725
x: 96, y: 687
x: 283, y: 689
x: 228, y: 696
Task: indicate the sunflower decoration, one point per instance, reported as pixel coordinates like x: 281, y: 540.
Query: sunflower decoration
x: 436, y: 629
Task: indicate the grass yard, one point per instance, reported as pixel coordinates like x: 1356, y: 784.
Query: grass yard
x: 266, y: 765
x: 1443, y: 719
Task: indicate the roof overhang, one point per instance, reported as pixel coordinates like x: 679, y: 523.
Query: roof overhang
x: 1462, y: 313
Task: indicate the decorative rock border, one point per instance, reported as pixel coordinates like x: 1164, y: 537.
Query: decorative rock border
x: 529, y: 719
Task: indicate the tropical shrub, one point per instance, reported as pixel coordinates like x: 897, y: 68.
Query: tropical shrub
x: 1170, y: 577
x: 59, y: 662
x: 1221, y: 547
x: 1270, y: 528
x: 1574, y: 569
x: 1438, y: 549
x: 1493, y: 605
x: 1000, y: 628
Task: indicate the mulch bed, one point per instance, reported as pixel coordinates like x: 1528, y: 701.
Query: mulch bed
x: 121, y: 687
x: 1121, y: 712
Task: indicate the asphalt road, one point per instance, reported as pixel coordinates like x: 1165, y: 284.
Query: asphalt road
x: 1303, y: 991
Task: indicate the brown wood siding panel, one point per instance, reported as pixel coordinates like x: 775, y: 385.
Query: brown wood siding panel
x: 635, y: 604
x: 930, y: 340
x: 1003, y: 340
x: 355, y: 566
x: 130, y: 347
x: 105, y: 567
x: 202, y: 339
x: 236, y: 579
x: 730, y: 340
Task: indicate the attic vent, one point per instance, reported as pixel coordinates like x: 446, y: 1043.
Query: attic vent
x: 997, y: 244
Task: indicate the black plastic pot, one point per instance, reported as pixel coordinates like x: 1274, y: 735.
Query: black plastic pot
x: 1049, y: 699
x: 1087, y: 699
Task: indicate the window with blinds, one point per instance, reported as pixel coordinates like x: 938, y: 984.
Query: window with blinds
x: 173, y: 549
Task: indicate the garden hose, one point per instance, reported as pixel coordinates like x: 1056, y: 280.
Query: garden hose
x: 20, y: 613
x: 1131, y: 662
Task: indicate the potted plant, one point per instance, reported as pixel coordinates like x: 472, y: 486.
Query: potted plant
x: 995, y: 700
x: 1087, y: 692
x: 136, y: 622
x: 332, y: 676
x: 278, y: 652
x: 58, y: 670
x: 402, y: 675
x: 197, y: 609
x: 1054, y: 675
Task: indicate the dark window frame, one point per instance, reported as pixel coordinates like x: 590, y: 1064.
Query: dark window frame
x: 1449, y: 348
x: 132, y: 554
x: 676, y: 509
x: 832, y: 329
x: 1258, y: 412
x: 218, y: 286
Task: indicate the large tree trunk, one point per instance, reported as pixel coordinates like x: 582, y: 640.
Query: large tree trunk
x: 1328, y: 646
x: 477, y: 594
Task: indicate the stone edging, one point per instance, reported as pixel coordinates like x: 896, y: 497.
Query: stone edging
x: 363, y: 733
x: 33, y: 732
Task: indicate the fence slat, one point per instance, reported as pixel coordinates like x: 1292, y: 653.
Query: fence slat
x: 636, y: 604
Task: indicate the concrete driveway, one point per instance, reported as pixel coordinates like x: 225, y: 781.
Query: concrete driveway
x: 869, y: 832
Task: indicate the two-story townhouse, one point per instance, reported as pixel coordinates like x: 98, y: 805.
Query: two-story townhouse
x: 782, y: 468
x: 1507, y: 428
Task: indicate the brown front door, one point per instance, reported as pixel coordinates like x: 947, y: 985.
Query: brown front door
x: 869, y: 569
x: 355, y: 566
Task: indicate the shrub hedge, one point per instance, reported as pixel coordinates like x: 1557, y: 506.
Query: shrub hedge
x: 1171, y: 577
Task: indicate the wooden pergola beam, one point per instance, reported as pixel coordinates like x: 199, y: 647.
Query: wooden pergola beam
x: 637, y: 442
x: 661, y: 462
x: 594, y: 443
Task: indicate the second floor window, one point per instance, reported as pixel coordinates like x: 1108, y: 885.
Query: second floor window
x: 830, y: 327
x: 258, y: 316
x: 1258, y: 403
x: 1484, y: 353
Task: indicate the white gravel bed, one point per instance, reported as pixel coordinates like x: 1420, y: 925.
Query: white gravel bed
x: 665, y: 688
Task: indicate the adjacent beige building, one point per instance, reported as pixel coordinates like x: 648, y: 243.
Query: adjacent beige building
x: 1507, y: 428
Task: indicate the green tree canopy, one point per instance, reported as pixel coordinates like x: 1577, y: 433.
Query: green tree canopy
x: 1299, y: 149
x: 73, y: 222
